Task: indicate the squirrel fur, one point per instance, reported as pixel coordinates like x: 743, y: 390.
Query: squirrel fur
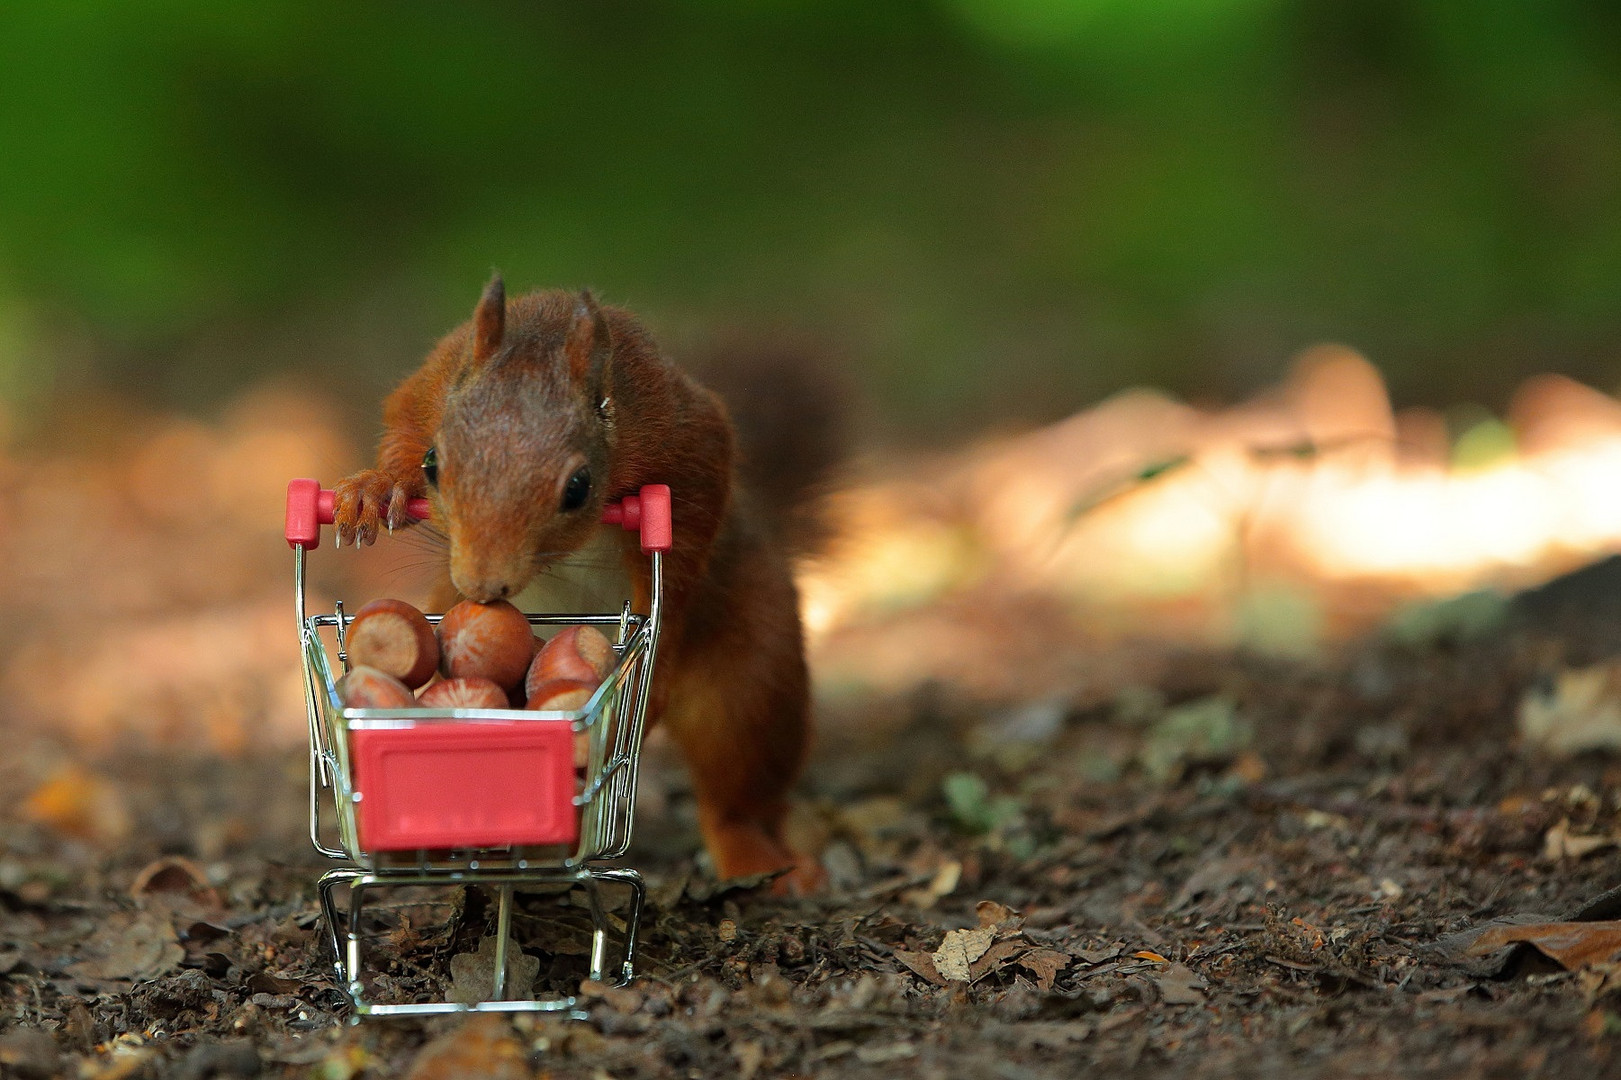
x: 538, y: 411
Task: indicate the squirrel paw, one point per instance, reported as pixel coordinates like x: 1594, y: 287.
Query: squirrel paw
x: 742, y: 849
x: 805, y: 879
x: 367, y: 500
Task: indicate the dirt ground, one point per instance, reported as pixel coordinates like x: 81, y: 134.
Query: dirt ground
x: 1225, y: 864
x: 1279, y: 905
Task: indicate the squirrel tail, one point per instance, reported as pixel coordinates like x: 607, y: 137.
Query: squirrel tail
x: 791, y: 408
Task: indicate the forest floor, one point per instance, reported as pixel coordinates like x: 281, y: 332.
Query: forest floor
x: 1233, y: 865
x: 1254, y: 869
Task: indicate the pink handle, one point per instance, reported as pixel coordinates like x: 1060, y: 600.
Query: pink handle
x: 309, y: 506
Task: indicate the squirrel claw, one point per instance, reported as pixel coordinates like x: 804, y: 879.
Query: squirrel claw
x: 364, y: 501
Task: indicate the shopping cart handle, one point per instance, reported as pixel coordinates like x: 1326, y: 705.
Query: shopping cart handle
x: 309, y: 506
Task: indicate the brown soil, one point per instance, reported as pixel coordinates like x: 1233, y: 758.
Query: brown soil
x: 1275, y: 909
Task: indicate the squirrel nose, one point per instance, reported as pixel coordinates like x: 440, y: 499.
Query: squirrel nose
x: 485, y: 591
x: 483, y: 572
x: 482, y: 583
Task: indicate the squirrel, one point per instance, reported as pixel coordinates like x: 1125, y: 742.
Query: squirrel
x: 520, y: 425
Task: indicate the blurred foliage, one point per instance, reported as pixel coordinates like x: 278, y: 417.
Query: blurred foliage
x: 995, y: 207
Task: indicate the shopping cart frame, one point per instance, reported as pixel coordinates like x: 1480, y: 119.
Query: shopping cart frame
x: 612, y: 722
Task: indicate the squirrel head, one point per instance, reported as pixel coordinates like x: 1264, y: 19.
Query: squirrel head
x: 519, y: 467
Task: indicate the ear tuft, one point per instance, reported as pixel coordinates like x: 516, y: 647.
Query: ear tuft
x: 489, y: 320
x: 587, y: 344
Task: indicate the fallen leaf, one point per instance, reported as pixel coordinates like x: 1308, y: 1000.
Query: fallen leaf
x: 836, y: 1049
x: 750, y: 1056
x: 485, y: 1047
x: 1217, y: 878
x: 1096, y: 956
x: 998, y: 917
x: 142, y: 946
x: 1572, y: 944
x: 943, y: 883
x: 1561, y: 843
x: 473, y: 974
x: 995, y: 958
x: 1181, y: 985
x: 1580, y: 710
x: 959, y: 950
x: 178, y: 886
x: 1149, y: 955
x: 920, y: 964
x: 264, y: 982
x: 79, y: 803
x: 879, y: 1053
x: 945, y: 880
x: 1044, y: 964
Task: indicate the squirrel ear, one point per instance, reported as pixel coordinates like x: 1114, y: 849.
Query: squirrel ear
x: 587, y: 344
x: 489, y: 320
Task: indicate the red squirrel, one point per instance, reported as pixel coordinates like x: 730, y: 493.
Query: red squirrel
x: 519, y: 426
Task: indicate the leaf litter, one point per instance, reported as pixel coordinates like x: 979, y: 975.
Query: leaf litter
x: 1213, y: 863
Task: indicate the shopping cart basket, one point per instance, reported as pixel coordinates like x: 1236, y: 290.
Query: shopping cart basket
x: 487, y: 797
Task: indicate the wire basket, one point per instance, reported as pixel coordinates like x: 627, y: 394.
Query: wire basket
x: 428, y: 798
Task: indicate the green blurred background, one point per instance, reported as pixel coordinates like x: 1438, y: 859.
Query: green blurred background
x: 995, y: 210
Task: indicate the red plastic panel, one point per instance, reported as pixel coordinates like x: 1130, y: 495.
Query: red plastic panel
x: 448, y: 785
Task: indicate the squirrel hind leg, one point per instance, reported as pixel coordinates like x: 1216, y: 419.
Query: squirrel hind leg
x: 744, y: 740
x: 743, y: 848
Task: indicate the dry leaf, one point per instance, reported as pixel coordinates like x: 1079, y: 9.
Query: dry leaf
x: 1560, y: 843
x: 142, y: 946
x: 1572, y: 944
x: 944, y: 882
x: 750, y: 1056
x: 959, y: 950
x: 473, y: 974
x: 1044, y: 964
x: 1580, y: 711
x: 1216, y: 878
x: 1094, y: 957
x: 484, y: 1046
x: 998, y: 917
x: 920, y: 964
x: 177, y: 886
x: 880, y: 1053
x: 80, y: 803
x: 1181, y: 985
x: 995, y: 958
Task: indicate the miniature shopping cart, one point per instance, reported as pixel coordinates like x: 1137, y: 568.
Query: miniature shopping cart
x: 444, y: 798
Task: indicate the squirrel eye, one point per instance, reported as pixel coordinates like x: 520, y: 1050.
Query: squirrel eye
x: 430, y: 466
x: 577, y: 490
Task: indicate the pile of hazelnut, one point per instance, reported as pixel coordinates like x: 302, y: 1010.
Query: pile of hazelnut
x: 483, y: 656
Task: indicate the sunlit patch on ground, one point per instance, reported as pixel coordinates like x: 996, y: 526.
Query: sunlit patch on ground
x: 1293, y: 521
